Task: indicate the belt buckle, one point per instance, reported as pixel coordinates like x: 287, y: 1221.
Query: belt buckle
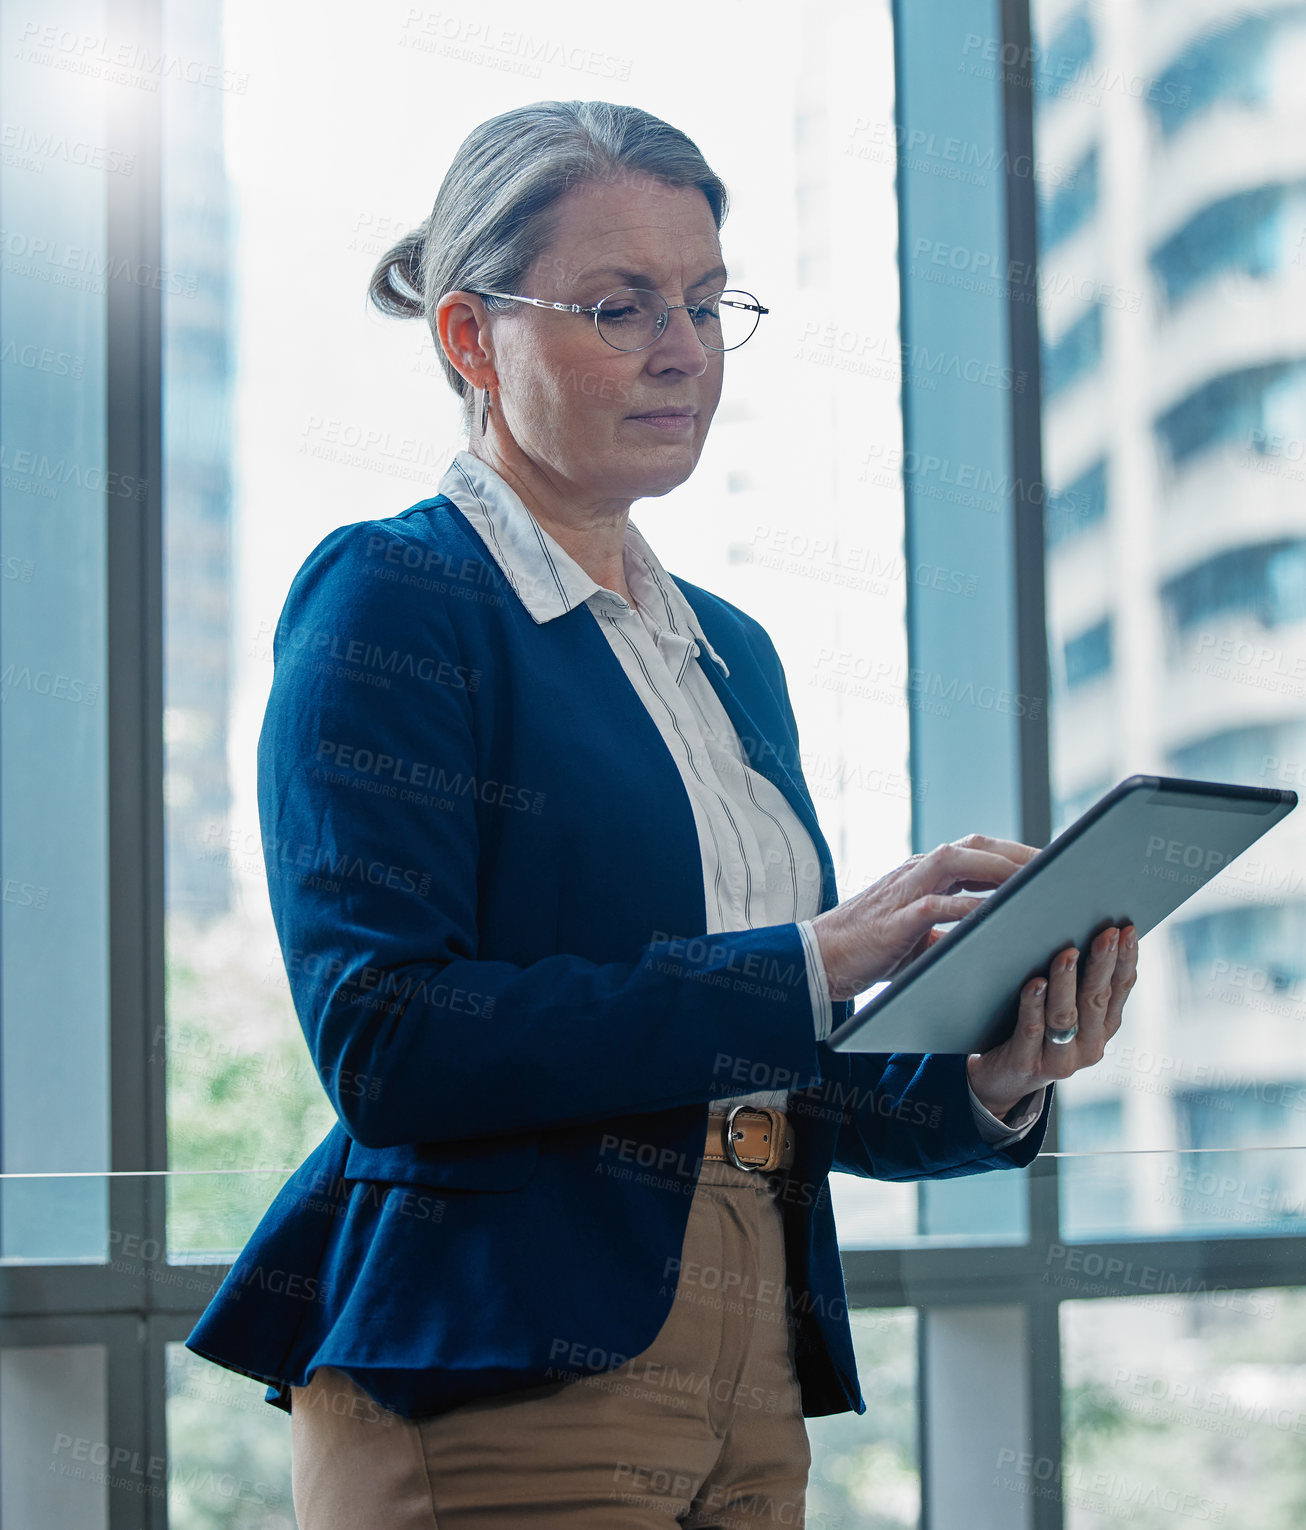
x: 772, y: 1159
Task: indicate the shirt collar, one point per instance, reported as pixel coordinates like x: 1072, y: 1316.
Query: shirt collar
x: 548, y: 580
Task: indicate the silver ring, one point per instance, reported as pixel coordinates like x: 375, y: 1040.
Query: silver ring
x: 1062, y: 1038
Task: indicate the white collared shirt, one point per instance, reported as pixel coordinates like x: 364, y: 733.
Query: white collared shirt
x: 760, y: 866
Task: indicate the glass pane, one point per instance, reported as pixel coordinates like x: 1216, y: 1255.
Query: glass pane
x: 215, y: 1214
x: 1111, y: 1195
x: 53, y: 496
x: 873, y: 1213
x: 212, y: 1215
x: 1172, y: 296
x: 865, y: 1472
x: 242, y: 1092
x: 990, y: 1208
x: 1184, y: 1410
x: 56, y: 1459
x: 293, y: 409
x: 228, y: 1450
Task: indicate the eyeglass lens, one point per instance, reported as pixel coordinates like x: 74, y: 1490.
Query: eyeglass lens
x: 634, y: 317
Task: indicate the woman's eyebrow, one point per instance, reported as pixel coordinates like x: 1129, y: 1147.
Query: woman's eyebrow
x: 643, y: 279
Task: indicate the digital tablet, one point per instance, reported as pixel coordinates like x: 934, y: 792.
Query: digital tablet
x: 1132, y: 858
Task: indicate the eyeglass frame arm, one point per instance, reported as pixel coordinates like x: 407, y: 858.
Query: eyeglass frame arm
x: 516, y: 297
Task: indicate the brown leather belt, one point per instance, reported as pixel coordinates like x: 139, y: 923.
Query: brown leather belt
x: 754, y: 1137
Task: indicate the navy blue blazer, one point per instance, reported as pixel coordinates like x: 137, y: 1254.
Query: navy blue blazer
x: 488, y: 890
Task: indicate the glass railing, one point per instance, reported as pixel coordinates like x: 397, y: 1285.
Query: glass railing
x: 1183, y: 1340
x: 1189, y: 1193
x: 1102, y: 1196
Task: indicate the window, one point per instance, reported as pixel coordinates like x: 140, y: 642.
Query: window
x: 1245, y: 407
x: 1252, y: 950
x: 1266, y: 582
x: 1180, y: 1164
x: 1254, y: 232
x: 1226, y: 64
x: 1060, y: 66
x: 1079, y: 505
x: 1182, y: 1407
x: 1088, y: 655
x: 1098, y: 1183
x: 1073, y: 355
x: 1260, y: 754
x: 1071, y: 204
x: 60, y: 486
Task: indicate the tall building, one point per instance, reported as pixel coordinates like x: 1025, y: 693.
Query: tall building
x: 1172, y: 292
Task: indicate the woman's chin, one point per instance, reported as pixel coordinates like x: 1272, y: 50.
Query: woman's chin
x: 659, y: 471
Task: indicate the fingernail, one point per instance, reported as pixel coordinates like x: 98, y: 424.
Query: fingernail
x: 1131, y: 938
x: 1040, y: 988
x: 1073, y: 962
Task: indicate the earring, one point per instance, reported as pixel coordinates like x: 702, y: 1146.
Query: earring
x: 485, y: 410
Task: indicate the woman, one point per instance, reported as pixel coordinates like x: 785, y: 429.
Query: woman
x: 561, y: 926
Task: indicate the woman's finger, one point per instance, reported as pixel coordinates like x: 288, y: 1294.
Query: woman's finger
x: 955, y: 865
x: 1027, y: 1041
x: 1012, y: 848
x: 1095, y: 992
x: 1061, y: 1014
x: 937, y: 908
x: 1122, y: 979
x: 913, y: 929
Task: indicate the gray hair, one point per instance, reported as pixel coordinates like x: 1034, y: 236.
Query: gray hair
x: 494, y: 213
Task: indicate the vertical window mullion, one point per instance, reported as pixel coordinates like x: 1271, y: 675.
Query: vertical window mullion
x: 134, y: 288
x: 1030, y: 630
x: 971, y: 470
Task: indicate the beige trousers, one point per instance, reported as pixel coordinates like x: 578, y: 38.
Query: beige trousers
x: 704, y: 1428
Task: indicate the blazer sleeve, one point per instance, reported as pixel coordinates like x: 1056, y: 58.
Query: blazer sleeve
x: 415, y: 1037
x: 909, y: 1116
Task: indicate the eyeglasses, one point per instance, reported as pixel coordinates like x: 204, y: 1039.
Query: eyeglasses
x: 632, y: 318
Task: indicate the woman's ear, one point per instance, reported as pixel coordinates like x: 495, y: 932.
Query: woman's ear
x: 463, y: 326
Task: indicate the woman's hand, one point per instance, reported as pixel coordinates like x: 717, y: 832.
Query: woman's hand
x: 873, y: 936
x: 1029, y: 1058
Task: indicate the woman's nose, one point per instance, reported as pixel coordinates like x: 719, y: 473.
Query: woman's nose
x: 679, y: 345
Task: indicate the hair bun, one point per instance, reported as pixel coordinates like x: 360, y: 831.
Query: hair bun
x: 396, y: 285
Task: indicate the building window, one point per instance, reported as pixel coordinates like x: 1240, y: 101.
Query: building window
x: 1257, y: 949
x: 1079, y: 350
x: 1070, y: 204
x: 1059, y: 67
x: 1254, y: 233
x: 1265, y: 581
x: 1078, y: 506
x: 1088, y: 655
x: 1271, y: 754
x: 1228, y: 64
x: 1245, y: 406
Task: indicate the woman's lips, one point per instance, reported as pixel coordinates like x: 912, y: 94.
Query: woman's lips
x: 676, y: 424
